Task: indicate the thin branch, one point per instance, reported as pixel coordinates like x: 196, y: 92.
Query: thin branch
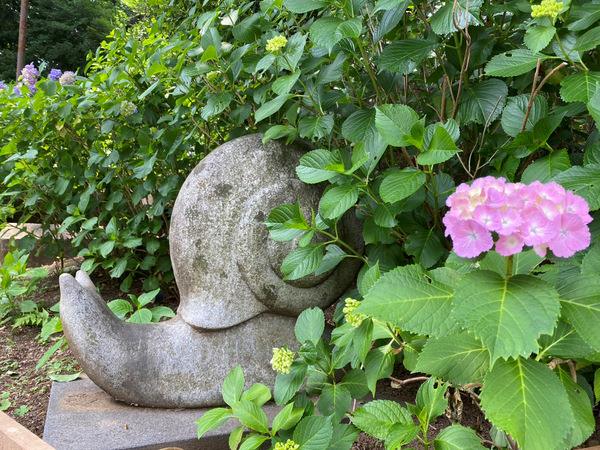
x: 398, y: 383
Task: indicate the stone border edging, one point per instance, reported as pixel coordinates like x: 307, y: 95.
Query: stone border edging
x: 14, y: 436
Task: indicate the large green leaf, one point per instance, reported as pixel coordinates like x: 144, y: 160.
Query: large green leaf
x: 593, y: 105
x: 513, y: 63
x: 581, y: 406
x: 302, y: 261
x: 459, y: 358
x: 426, y: 246
x: 251, y: 415
x: 360, y: 128
x: 526, y: 400
x: 400, y: 184
x: 441, y: 148
x: 461, y: 13
x: 579, y: 87
x: 564, y: 343
x: 335, y: 399
x: 319, y: 165
x: 544, y: 169
x: 483, y: 102
x: 233, y: 385
x: 376, y: 418
x: 407, y: 297
x: 315, y: 127
x: 271, y: 107
x: 588, y: 40
x: 378, y: 364
x: 302, y: 6
x: 515, y: 110
x: 538, y: 37
x: 394, y: 123
x: 405, y: 56
x: 310, y: 325
x: 287, y: 384
x: 457, y: 437
x: 584, y: 181
x: 508, y: 315
x: 313, y: 433
x: 328, y: 31
x: 211, y: 420
x: 580, y: 302
x: 337, y: 200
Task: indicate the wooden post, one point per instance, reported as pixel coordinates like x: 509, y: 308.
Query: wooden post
x: 22, y: 36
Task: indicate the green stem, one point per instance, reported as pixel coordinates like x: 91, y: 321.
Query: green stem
x: 509, y: 266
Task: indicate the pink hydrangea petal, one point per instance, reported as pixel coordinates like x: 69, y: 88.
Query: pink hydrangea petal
x: 509, y: 245
x: 470, y: 239
x: 540, y: 250
x: 573, y: 235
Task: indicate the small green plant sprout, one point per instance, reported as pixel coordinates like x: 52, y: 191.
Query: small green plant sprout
x: 135, y: 309
x: 4, y: 401
x: 17, y: 282
x: 21, y: 411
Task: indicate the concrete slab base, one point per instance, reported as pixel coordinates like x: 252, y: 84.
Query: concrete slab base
x: 83, y: 416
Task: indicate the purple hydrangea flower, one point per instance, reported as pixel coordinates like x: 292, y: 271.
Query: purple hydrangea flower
x: 67, y: 77
x: 17, y: 90
x: 30, y: 74
x: 2, y: 85
x: 55, y: 74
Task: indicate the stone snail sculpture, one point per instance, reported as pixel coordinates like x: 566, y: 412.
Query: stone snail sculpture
x: 235, y: 306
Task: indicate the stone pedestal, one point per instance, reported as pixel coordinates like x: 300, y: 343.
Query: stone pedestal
x: 83, y: 416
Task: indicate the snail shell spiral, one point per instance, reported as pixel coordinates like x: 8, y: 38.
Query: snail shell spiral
x: 226, y: 267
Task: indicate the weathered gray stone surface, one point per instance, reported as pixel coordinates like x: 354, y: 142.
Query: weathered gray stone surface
x: 226, y: 266
x: 234, y: 304
x: 82, y: 416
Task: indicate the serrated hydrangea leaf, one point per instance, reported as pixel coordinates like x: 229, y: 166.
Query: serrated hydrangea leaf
x: 315, y: 127
x: 590, y: 265
x: 513, y: 63
x: 459, y: 358
x: 508, y: 315
x: 409, y: 299
x: 211, y: 420
x: 579, y: 87
x: 538, y: 37
x: 457, y: 437
x: 376, y: 418
x: 282, y: 85
x: 564, y: 343
x: 404, y: 56
x: 286, y: 222
x: 523, y: 262
x: 302, y: 6
x: 515, y: 110
x: 581, y: 406
x: 580, y: 302
x: 319, y: 165
x: 271, y: 107
x: 313, y: 433
x: 426, y: 247
x: 483, y: 102
x: 593, y: 105
x: 588, y: 40
x: 302, y: 261
x: 335, y: 399
x: 337, y: 200
x: 233, y: 385
x: 441, y: 148
x: 287, y: 384
x: 400, y: 184
x: 310, y: 325
x: 378, y: 364
x: 544, y: 169
x: 461, y: 13
x: 525, y: 399
x: 328, y: 31
x: 584, y: 181
x: 394, y: 123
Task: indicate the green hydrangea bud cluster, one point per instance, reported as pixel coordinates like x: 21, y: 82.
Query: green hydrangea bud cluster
x: 128, y: 108
x: 282, y: 359
x: 289, y: 445
x: 213, y: 75
x: 548, y: 8
x: 275, y: 44
x: 353, y: 318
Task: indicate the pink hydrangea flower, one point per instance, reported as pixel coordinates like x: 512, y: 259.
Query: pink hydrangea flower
x: 541, y: 215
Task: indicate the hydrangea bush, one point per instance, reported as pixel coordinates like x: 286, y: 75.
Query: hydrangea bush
x: 464, y: 135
